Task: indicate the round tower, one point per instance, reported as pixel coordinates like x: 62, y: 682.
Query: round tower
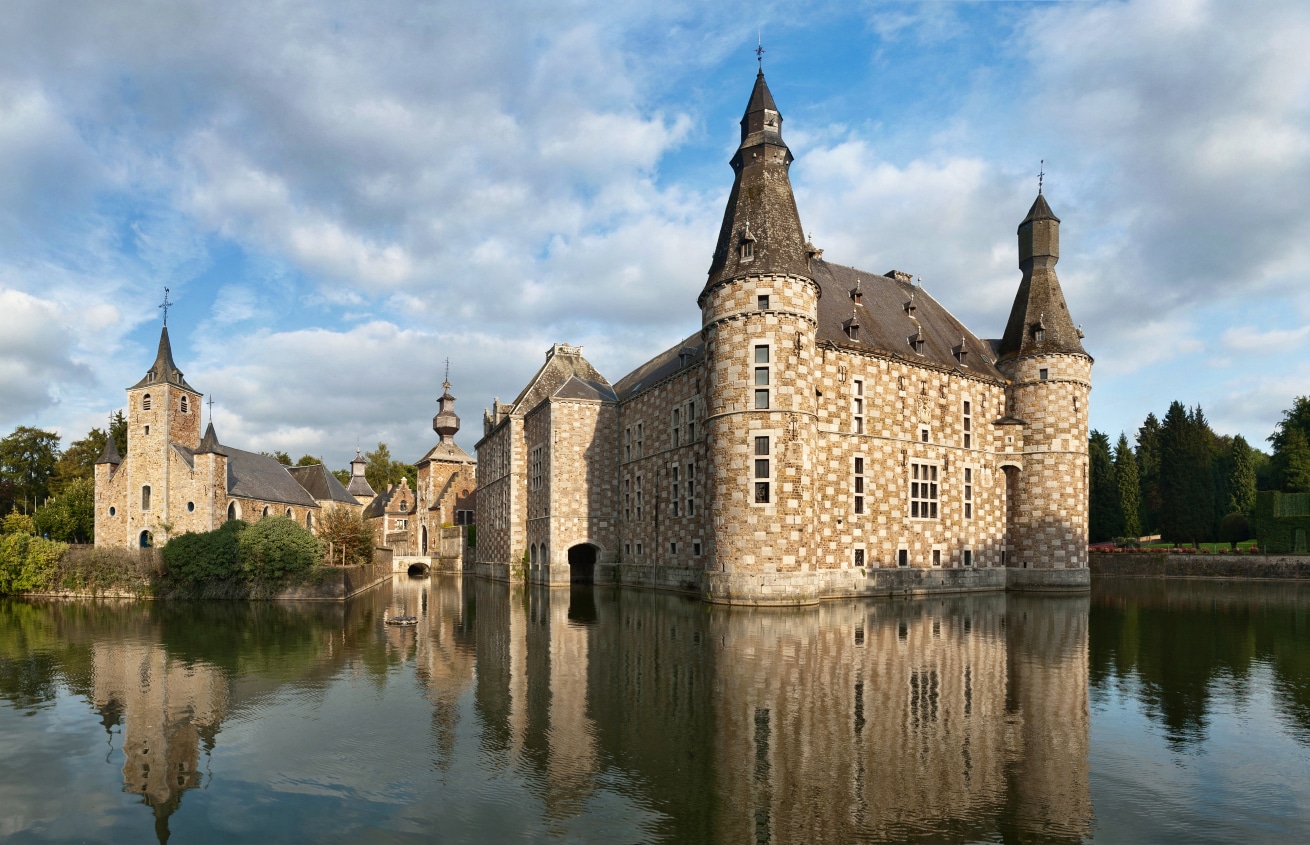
x: 1050, y: 380
x: 759, y: 311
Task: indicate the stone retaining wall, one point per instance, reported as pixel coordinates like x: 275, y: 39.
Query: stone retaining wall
x: 1196, y: 565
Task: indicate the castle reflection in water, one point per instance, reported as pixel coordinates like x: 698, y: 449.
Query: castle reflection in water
x: 951, y: 717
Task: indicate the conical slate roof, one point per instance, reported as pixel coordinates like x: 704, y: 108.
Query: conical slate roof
x: 1040, y: 323
x: 164, y: 370
x: 761, y: 229
x: 109, y: 455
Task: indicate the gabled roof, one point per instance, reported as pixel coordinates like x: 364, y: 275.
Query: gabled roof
x: 577, y: 388
x: 252, y: 476
x: 164, y: 370
x: 321, y: 484
x: 563, y: 362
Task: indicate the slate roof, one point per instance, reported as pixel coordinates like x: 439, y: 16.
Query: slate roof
x: 359, y: 486
x: 672, y: 360
x: 109, y: 454
x: 252, y: 476
x: 164, y: 370
x: 579, y: 388
x: 446, y: 452
x: 321, y: 484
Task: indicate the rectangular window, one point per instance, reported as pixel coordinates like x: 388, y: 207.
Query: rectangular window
x: 639, y: 504
x: 677, y: 428
x: 968, y: 424
x: 640, y: 451
x: 627, y: 444
x: 859, y: 557
x: 857, y: 406
x: 695, y: 548
x: 691, y: 421
x: 762, y: 470
x: 923, y: 435
x: 968, y: 493
x: 639, y: 548
x: 903, y: 557
x: 1041, y: 374
x: 535, y: 470
x: 145, y: 498
x: 761, y: 378
x: 936, y: 557
x: 691, y: 489
x: 762, y: 302
x: 968, y: 557
x: 761, y: 400
x: 673, y: 548
x: 859, y: 484
x: 673, y: 483
x: 923, y: 491
x: 627, y: 548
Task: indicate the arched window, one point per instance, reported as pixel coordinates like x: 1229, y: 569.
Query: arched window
x: 309, y: 520
x: 145, y: 402
x: 534, y: 554
x: 145, y: 497
x: 265, y: 513
x: 147, y: 539
x: 288, y: 513
x: 232, y: 512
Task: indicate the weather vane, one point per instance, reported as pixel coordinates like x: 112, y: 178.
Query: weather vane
x: 165, y: 306
x: 446, y: 383
x: 211, y: 409
x: 759, y: 49
x: 1041, y: 174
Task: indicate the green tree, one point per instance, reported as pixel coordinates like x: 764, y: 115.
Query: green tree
x: 308, y: 461
x: 27, y: 458
x: 1241, y: 478
x: 1130, y: 491
x: 1295, y: 462
x: 1186, y: 479
x: 278, y: 455
x: 70, y: 516
x: 1105, y: 520
x: 382, y: 471
x: 343, y: 475
x: 277, y: 549
x: 18, y: 523
x: 1148, y: 473
x: 118, y: 431
x: 347, y: 536
x: 79, y: 459
x: 1287, y: 445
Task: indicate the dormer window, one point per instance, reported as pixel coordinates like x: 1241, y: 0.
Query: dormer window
x: 917, y: 341
x: 910, y: 308
x: 747, y: 247
x: 145, y: 402
x: 852, y: 327
x: 1039, y: 330
x: 857, y: 295
x: 961, y: 351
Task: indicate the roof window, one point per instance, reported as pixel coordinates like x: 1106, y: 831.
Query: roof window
x: 917, y: 341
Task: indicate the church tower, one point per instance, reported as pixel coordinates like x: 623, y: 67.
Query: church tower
x: 1050, y: 378
x: 759, y: 311
x: 162, y: 411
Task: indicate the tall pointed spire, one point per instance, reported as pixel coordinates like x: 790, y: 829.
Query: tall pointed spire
x: 1040, y: 322
x: 164, y: 370
x: 761, y: 231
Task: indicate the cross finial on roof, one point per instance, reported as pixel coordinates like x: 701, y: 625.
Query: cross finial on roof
x: 1041, y: 174
x: 759, y: 49
x: 165, y: 305
x: 211, y: 408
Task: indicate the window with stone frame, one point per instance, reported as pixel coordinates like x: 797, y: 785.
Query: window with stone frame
x: 535, y: 468
x: 858, y: 479
x: 968, y: 492
x: 145, y: 497
x: 674, y: 499
x: 677, y: 426
x: 639, y: 497
x: 763, y: 377
x: 691, y: 489
x: 859, y: 558
x: 641, y: 452
x: 967, y: 420
x: 691, y: 421
x: 184, y: 405
x: 627, y: 499
x: 627, y: 443
x: 923, y: 490
x: 857, y: 406
x: 145, y: 402
x: 763, y: 474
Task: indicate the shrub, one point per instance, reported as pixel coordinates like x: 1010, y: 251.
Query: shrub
x: 89, y: 569
x: 29, y: 564
x: 277, y: 549
x: 70, y: 516
x: 1233, y: 529
x: 209, y: 556
x: 17, y: 523
x: 348, y: 539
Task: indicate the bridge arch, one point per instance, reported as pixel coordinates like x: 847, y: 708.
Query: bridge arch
x: 418, y: 569
x: 582, y: 564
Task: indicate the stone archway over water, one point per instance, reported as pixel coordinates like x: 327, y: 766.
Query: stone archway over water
x: 582, y: 564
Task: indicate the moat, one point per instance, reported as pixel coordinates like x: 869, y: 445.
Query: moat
x: 1147, y: 711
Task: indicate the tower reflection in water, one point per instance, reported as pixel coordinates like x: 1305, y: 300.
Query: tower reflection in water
x: 952, y: 717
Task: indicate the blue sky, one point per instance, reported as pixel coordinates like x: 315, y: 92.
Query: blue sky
x: 342, y: 195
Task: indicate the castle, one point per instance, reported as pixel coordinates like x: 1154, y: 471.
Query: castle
x: 828, y: 432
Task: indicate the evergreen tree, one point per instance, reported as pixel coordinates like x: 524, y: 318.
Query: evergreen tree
x: 1241, y: 478
x: 118, y: 431
x: 1186, y: 479
x: 1130, y: 491
x: 79, y: 459
x: 1148, y: 473
x: 1287, y: 446
x: 1295, y: 462
x: 1104, y: 518
x: 382, y: 471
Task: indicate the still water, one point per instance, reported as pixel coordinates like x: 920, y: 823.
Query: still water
x: 1151, y: 711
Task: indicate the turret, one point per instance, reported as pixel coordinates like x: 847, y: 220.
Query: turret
x: 446, y: 422
x: 359, y: 486
x: 759, y: 309
x: 1050, y: 381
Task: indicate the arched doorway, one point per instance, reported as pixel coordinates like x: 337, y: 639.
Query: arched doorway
x: 147, y: 540
x: 232, y: 512
x: 582, y: 564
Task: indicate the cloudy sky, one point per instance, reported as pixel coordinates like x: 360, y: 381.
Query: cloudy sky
x: 342, y: 195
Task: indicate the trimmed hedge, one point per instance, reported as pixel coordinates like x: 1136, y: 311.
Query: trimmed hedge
x: 1277, y: 520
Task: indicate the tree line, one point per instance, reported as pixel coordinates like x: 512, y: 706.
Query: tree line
x: 1187, y: 483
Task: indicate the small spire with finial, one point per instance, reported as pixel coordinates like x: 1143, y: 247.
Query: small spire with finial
x: 1041, y: 175
x: 446, y: 382
x: 759, y: 49
x: 211, y: 409
x: 166, y: 305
